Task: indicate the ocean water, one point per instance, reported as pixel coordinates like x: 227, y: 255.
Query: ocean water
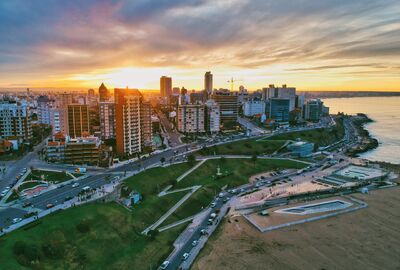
x: 385, y: 112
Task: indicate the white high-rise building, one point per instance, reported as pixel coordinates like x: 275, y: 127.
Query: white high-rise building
x: 212, y: 118
x: 14, y: 121
x: 44, y: 106
x: 56, y: 120
x: 107, y: 119
x: 191, y: 118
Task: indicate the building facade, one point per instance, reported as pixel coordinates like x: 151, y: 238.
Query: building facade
x: 104, y: 94
x: 165, y: 86
x: 190, y: 118
x: 132, y: 121
x: 14, y: 121
x: 278, y: 109
x: 78, y: 120
x: 212, y: 117
x: 228, y: 105
x: 107, y: 119
x: 253, y: 107
x: 44, y: 107
x: 208, y: 83
x: 283, y: 92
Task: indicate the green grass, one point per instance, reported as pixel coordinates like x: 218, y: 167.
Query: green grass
x: 114, y: 240
x: 108, y: 242
x: 14, y: 196
x: 321, y: 137
x: 51, y: 176
x: 245, y: 147
x: 240, y: 169
x: 107, y: 236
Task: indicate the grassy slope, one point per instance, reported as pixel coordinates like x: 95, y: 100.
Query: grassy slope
x: 241, y: 170
x: 114, y: 240
x: 245, y: 147
x: 321, y: 137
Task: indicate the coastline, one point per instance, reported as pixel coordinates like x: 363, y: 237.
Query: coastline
x: 367, y: 142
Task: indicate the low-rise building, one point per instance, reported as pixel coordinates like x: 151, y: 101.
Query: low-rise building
x: 301, y: 149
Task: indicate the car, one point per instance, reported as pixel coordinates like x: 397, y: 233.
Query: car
x: 16, y: 220
x: 164, y: 265
x: 68, y: 198
x: 212, y: 205
x: 226, y: 199
x: 26, y: 204
x: 185, y: 256
x: 86, y: 188
x: 203, y: 232
x: 221, y: 194
x: 194, y: 243
x: 50, y: 205
x: 74, y: 185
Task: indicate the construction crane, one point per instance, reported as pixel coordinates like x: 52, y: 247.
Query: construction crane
x: 232, y: 81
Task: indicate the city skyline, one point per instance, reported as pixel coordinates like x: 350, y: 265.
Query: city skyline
x: 312, y: 45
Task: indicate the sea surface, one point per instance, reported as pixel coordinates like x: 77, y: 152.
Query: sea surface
x: 385, y: 112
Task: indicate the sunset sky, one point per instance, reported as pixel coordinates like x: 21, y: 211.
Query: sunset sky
x: 309, y: 44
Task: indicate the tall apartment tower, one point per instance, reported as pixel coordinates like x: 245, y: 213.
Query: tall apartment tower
x: 132, y: 121
x: 14, y: 121
x: 212, y: 116
x: 107, y: 119
x: 104, y: 94
x: 283, y: 92
x: 191, y: 118
x: 165, y: 86
x: 78, y: 120
x: 208, y: 83
x: 228, y: 105
x: 43, y: 109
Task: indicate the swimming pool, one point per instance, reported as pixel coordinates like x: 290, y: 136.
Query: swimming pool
x: 307, y: 209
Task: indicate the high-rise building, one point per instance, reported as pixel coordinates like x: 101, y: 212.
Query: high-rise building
x: 64, y: 99
x: 78, y: 120
x: 14, y: 121
x: 191, y: 118
x: 165, y: 86
x: 107, y: 119
x: 314, y: 109
x: 208, y: 83
x: 104, y: 94
x: 212, y: 116
x: 228, y: 105
x: 43, y: 109
x: 56, y: 121
x: 278, y: 109
x: 132, y: 121
x: 176, y: 91
x: 283, y: 92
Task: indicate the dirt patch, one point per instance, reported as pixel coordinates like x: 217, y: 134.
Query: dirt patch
x: 365, y: 239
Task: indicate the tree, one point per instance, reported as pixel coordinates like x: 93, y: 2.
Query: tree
x: 254, y: 159
x: 162, y: 160
x: 191, y: 159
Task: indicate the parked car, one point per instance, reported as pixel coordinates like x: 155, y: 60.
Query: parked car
x: 213, y: 204
x: 194, y: 243
x: 16, y: 220
x: 164, y: 265
x: 74, y: 185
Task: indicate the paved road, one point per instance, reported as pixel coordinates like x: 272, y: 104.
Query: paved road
x: 173, y: 135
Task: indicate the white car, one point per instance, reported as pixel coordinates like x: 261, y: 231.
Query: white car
x: 164, y: 265
x: 16, y: 220
x: 194, y: 243
x: 185, y: 256
x: 74, y: 185
x: 213, y: 205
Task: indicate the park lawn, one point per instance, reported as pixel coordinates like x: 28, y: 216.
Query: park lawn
x: 240, y: 169
x: 114, y: 240
x: 104, y: 239
x: 321, y: 137
x: 244, y: 147
x: 51, y: 176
